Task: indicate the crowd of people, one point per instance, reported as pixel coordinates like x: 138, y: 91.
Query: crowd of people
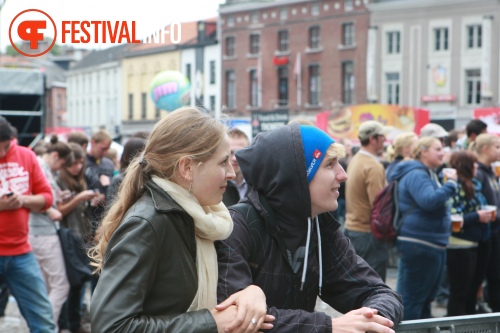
x: 435, y: 261
x: 195, y: 228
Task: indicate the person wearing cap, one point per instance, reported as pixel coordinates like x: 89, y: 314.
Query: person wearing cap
x: 295, y: 176
x: 434, y: 130
x: 23, y: 189
x: 366, y: 179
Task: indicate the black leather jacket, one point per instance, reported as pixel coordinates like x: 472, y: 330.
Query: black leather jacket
x: 149, y: 277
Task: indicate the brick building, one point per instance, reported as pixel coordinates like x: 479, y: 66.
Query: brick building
x: 308, y: 54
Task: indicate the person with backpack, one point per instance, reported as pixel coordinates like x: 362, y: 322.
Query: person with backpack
x: 366, y: 179
x: 286, y: 241
x: 425, y: 227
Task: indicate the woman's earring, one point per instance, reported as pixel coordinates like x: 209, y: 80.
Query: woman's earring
x: 191, y: 189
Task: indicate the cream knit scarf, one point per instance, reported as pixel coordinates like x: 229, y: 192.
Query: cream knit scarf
x: 211, y: 223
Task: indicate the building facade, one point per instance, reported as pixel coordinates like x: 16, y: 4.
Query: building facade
x: 196, y: 47
x: 94, y: 87
x: 300, y: 56
x: 200, y: 62
x: 438, y: 55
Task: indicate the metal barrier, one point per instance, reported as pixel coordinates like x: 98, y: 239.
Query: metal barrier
x: 483, y: 323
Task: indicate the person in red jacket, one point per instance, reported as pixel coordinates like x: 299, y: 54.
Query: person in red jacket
x: 23, y: 188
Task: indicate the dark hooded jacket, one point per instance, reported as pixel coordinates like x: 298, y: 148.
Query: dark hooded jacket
x: 274, y: 165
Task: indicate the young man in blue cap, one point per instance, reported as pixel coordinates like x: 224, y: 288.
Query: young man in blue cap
x: 285, y: 241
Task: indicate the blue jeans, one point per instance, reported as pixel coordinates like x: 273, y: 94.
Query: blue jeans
x: 419, y: 272
x: 24, y: 279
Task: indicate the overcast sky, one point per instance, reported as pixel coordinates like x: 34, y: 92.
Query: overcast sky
x: 149, y: 15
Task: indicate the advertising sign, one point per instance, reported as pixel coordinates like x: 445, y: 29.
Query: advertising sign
x: 343, y: 122
x: 263, y: 121
x: 491, y: 116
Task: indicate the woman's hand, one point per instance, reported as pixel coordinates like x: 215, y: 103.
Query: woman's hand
x: 224, y: 317
x: 484, y: 216
x: 251, y: 315
x: 361, y: 321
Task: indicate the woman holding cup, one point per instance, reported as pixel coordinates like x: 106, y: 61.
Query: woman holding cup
x: 487, y: 148
x: 425, y: 226
x: 467, y: 203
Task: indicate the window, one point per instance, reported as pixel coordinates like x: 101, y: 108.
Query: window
x: 130, y: 106
x: 283, y: 86
x: 315, y: 9
x: 230, y: 89
x: 474, y: 34
x: 393, y: 42
x: 440, y: 39
x: 348, y: 34
x: 392, y: 88
x: 254, y: 44
x: 254, y: 94
x: 283, y: 40
x: 314, y: 38
x: 230, y: 45
x: 314, y: 85
x: 230, y: 21
x: 473, y: 86
x: 347, y: 82
x: 143, y: 105
x: 347, y: 5
x: 283, y: 13
x: 212, y: 102
x: 255, y: 17
x: 188, y: 72
x: 212, y: 71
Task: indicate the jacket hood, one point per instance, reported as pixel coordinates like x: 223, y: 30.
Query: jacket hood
x: 402, y: 168
x: 274, y: 165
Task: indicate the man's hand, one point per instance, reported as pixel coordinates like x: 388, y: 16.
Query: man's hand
x: 251, y: 311
x: 14, y: 201
x: 361, y: 321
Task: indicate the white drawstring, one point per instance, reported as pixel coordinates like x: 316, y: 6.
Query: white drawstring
x: 320, y: 254
x: 306, y: 255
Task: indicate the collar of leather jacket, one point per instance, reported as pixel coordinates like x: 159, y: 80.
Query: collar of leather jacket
x: 162, y: 200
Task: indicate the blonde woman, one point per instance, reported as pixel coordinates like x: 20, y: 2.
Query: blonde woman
x: 487, y: 148
x: 401, y: 149
x: 425, y: 229
x: 156, y: 253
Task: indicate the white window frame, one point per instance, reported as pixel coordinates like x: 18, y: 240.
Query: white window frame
x: 393, y: 42
x: 441, y: 40
x: 472, y: 87
x: 393, y: 86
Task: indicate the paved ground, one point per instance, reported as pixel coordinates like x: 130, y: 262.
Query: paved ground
x: 13, y: 322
